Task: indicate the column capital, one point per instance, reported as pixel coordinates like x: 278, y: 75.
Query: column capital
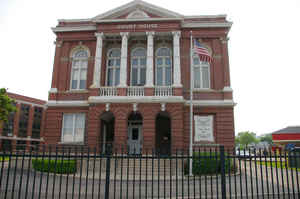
x: 224, y: 40
x: 176, y: 33
x: 99, y: 34
x: 124, y: 34
x: 150, y: 33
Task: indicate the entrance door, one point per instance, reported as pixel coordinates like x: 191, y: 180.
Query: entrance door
x: 163, y: 134
x: 135, y: 139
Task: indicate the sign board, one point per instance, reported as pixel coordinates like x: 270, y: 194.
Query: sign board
x: 137, y: 26
x: 204, y: 128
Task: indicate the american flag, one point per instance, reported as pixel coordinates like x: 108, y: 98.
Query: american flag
x: 201, y: 51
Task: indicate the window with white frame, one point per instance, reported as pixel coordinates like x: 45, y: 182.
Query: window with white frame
x: 163, y: 62
x: 201, y: 73
x: 113, y: 67
x: 79, y: 69
x: 73, y: 127
x: 138, y: 66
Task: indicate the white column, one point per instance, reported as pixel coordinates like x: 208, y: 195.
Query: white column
x: 123, y: 69
x: 149, y: 68
x: 98, y: 60
x: 176, y: 59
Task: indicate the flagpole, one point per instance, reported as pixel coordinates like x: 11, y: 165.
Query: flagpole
x: 191, y: 105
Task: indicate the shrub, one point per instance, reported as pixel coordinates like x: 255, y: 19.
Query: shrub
x: 207, y: 163
x: 54, y: 166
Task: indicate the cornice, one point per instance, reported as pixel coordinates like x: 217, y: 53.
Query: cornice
x: 135, y: 20
x: 205, y: 103
x: 70, y: 103
x: 74, y: 20
x: 74, y: 28
x: 205, y: 16
x: 145, y: 99
x: 206, y: 25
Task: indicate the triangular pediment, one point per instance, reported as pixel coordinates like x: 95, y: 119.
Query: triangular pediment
x: 137, y: 9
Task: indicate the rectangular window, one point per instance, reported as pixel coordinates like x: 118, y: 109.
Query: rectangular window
x: 197, y: 83
x: 201, y: 74
x: 82, y: 84
x: 159, y: 80
x: 23, y: 120
x: 37, y: 119
x: 110, y: 77
x: 73, y: 127
x: 205, y: 77
x: 134, y: 77
x: 143, y: 76
x: 8, y: 127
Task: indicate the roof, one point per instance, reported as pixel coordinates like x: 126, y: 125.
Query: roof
x: 141, y: 11
x: 26, y: 100
x: 288, y: 130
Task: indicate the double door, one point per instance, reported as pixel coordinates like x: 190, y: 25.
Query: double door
x: 135, y: 139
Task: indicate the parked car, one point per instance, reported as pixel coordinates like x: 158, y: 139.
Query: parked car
x: 243, y: 154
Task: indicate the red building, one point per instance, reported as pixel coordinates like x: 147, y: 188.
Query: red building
x: 288, y: 135
x: 123, y: 78
x: 25, y: 126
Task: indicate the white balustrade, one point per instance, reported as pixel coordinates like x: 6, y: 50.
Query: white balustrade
x: 163, y: 91
x: 108, y: 91
x: 135, y: 91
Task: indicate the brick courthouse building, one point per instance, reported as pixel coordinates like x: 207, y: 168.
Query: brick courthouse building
x: 123, y: 78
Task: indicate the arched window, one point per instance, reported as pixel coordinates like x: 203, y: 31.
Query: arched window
x: 113, y: 67
x: 201, y: 73
x: 138, y: 67
x: 163, y: 67
x: 79, y: 69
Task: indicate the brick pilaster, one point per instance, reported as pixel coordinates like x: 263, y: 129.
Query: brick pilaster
x: 43, y: 125
x: 149, y: 91
x: 29, y: 127
x: 16, y: 125
x: 122, y: 91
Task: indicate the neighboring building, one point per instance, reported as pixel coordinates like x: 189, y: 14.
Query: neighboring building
x: 289, y: 135
x: 25, y: 126
x: 123, y: 78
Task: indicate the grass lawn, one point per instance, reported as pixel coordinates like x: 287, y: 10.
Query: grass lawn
x: 278, y: 164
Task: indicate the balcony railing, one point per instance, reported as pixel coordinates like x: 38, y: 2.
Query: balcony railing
x: 108, y: 91
x: 163, y: 91
x: 135, y: 91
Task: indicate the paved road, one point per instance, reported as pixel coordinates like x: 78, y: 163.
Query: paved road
x: 30, y: 184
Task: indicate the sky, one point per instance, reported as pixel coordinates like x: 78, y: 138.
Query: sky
x: 263, y: 51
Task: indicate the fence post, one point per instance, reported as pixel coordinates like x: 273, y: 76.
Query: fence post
x: 107, y: 177
x: 223, y: 179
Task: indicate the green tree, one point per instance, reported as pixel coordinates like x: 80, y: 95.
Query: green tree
x: 266, y: 138
x: 6, y: 105
x: 245, y: 138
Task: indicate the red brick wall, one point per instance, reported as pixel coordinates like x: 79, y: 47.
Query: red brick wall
x: 212, y: 37
x: 121, y: 113
x: 53, y: 124
x: 219, y: 71
x: 286, y: 136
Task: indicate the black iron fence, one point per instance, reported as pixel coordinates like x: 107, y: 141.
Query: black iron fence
x: 72, y: 172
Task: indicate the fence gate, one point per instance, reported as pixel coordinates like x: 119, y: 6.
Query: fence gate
x: 68, y: 172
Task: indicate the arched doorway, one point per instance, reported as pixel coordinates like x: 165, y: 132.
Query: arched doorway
x: 135, y: 134
x: 107, y: 131
x: 163, y: 133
